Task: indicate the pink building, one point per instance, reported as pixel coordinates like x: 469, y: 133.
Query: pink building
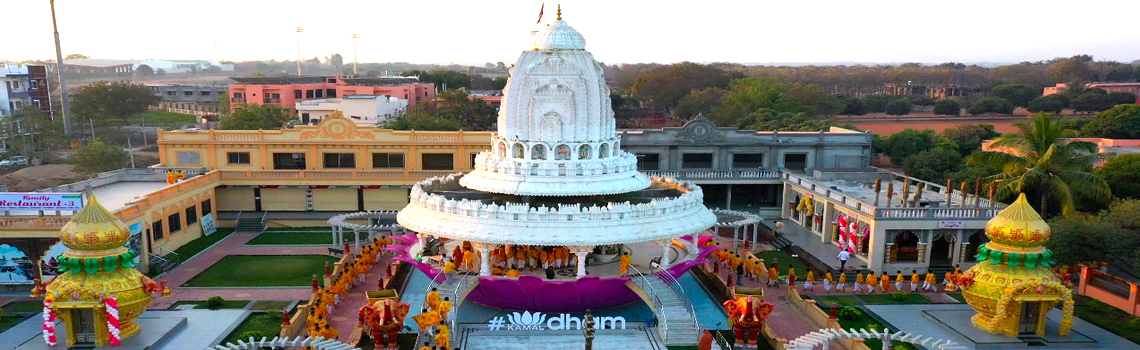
x: 286, y: 91
x: 1132, y: 88
x: 1118, y: 146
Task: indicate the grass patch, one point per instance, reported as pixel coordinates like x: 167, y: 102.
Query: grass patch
x: 201, y: 304
x: 827, y: 301
x: 269, y: 324
x: 911, y: 298
x: 1105, y: 316
x: 864, y: 321
x: 201, y: 243
x: 271, y: 304
x: 784, y: 259
x: 18, y: 311
x: 294, y: 238
x: 262, y: 271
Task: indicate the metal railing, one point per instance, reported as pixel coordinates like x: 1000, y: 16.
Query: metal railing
x: 431, y: 284
x: 639, y: 279
x: 716, y: 174
x: 264, y: 219
x: 461, y: 286
x: 238, y: 219
x: 676, y: 287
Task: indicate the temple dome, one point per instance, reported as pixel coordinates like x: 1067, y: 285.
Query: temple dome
x: 558, y: 36
x: 94, y: 229
x: 1018, y: 228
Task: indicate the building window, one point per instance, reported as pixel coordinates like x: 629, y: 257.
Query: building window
x: 207, y: 207
x: 697, y: 161
x: 437, y: 161
x: 186, y: 158
x: 747, y: 160
x: 289, y: 161
x: 330, y: 92
x: 649, y: 161
x: 237, y: 157
x: 156, y: 231
x: 204, y: 93
x: 340, y: 160
x: 296, y: 93
x: 171, y: 93
x: 473, y: 155
x: 795, y: 161
x: 191, y: 215
x: 320, y: 93
x: 174, y: 221
x: 188, y: 93
x: 308, y: 93
x: 388, y: 160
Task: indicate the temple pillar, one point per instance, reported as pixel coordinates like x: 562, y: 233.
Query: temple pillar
x: 484, y: 261
x: 665, y: 244
x: 581, y: 252
x: 755, y: 236
x: 696, y: 244
x: 356, y: 239
x: 735, y: 234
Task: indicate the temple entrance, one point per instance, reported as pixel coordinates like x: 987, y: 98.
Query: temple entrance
x: 906, y: 246
x: 1030, y: 314
x: 83, y: 320
x: 942, y: 249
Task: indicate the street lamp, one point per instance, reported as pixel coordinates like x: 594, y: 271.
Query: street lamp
x: 354, y: 37
x: 64, y: 102
x: 299, y: 30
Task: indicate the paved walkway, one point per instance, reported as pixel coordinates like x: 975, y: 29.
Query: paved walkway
x: 234, y: 244
x: 345, y: 315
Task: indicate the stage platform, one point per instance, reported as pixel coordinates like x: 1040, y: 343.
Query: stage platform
x: 161, y: 330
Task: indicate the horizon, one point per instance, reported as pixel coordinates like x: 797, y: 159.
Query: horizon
x: 884, y: 33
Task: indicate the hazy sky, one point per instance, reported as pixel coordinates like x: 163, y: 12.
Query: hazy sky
x: 616, y: 31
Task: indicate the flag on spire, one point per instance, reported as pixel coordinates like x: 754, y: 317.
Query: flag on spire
x: 540, y: 13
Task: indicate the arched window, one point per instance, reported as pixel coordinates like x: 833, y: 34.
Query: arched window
x: 538, y: 152
x: 562, y: 152
x: 604, y: 150
x: 501, y: 149
x: 519, y: 151
x: 584, y: 152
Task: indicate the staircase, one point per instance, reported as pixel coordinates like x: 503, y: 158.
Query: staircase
x: 781, y: 242
x: 250, y: 222
x: 676, y: 320
x: 455, y: 289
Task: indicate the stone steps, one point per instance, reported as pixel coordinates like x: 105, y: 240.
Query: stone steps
x: 679, y: 319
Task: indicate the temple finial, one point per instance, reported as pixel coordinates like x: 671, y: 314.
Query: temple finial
x: 559, y: 12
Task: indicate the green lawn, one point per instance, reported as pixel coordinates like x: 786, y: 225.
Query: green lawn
x: 199, y: 304
x: 867, y: 322
x: 785, y: 260
x: 17, y: 311
x: 1105, y: 316
x: 269, y: 324
x: 262, y: 271
x: 911, y: 298
x: 297, y: 238
x: 194, y: 247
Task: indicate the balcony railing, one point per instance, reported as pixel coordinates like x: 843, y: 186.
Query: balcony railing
x: 821, y: 191
x: 237, y: 99
x: 715, y: 174
x: 271, y: 100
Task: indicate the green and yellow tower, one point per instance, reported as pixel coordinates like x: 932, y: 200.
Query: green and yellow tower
x: 1012, y: 287
x: 96, y: 268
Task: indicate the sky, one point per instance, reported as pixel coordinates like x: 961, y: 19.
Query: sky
x: 616, y: 31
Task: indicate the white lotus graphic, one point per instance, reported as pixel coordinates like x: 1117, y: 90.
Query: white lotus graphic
x: 526, y: 319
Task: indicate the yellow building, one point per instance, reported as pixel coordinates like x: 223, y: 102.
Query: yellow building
x: 1012, y: 287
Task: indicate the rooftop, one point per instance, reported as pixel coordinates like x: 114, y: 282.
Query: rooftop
x: 855, y: 188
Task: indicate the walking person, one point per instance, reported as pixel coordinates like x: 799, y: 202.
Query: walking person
x: 843, y: 256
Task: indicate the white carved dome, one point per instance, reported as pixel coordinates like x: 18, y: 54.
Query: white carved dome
x: 558, y: 36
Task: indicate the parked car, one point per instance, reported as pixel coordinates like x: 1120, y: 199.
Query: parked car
x: 14, y: 161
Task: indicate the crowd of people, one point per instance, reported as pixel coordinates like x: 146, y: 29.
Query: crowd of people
x: 508, y: 260
x: 432, y: 321
x: 326, y: 299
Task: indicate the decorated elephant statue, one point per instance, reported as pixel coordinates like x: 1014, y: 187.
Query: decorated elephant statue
x: 747, y: 316
x: 383, y: 320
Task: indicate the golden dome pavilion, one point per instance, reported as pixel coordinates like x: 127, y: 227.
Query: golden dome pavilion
x: 1011, y: 287
x: 97, y: 280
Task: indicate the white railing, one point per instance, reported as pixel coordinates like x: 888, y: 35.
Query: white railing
x: 316, y: 343
x: 619, y: 163
x: 464, y: 281
x: 676, y: 287
x: 822, y: 338
x: 640, y: 280
x: 342, y: 221
x: 982, y: 211
x: 716, y: 174
x: 690, y: 199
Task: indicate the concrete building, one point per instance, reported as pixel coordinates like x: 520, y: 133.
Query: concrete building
x: 189, y: 98
x: 362, y: 109
x: 22, y: 85
x: 119, y: 67
x: 288, y: 90
x: 739, y: 169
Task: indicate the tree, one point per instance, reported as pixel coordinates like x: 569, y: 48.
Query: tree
x: 903, y: 144
x: 747, y: 96
x: 852, y: 106
x: 876, y: 103
x: 1036, y: 160
x: 443, y: 79
x: 1068, y: 69
x: 1017, y: 94
x: 336, y: 61
x: 899, y: 107
x: 256, y: 117
x: 1121, y: 98
x: 1120, y: 122
x: 664, y: 87
x: 75, y: 56
x: 1122, y: 173
x: 500, y: 66
x: 472, y: 114
x: 420, y: 119
x: 32, y: 133
x: 991, y: 105
x: 97, y: 157
x: 969, y: 137
x: 933, y: 165
x: 698, y: 102
x: 625, y: 108
x: 102, y: 100
x: 1091, y: 100
x: 1049, y: 104
x: 947, y: 107
x: 144, y: 70
x: 1113, y: 235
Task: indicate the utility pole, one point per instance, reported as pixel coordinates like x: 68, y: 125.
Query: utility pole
x: 64, y: 102
x: 354, y: 37
x: 130, y: 151
x: 216, y: 52
x: 299, y: 30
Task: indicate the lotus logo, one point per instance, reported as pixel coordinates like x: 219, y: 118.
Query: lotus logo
x: 526, y: 321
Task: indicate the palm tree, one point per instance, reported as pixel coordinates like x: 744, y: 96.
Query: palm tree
x: 1038, y: 160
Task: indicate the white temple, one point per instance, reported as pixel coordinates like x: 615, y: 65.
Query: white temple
x: 556, y: 174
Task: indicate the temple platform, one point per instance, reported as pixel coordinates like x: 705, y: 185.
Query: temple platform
x: 642, y: 254
x: 636, y: 336
x: 161, y: 330
x: 952, y: 322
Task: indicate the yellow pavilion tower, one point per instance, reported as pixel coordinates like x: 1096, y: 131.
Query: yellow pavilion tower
x: 97, y: 279
x: 1012, y: 287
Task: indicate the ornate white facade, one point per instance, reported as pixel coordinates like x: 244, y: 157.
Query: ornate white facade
x: 557, y: 134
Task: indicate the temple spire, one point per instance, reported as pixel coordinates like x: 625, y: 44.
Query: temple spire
x: 559, y: 12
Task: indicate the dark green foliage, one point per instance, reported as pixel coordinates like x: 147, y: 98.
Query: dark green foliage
x: 877, y: 103
x: 947, y: 107
x: 1121, y: 97
x: 850, y: 313
x: 1049, y: 104
x: 454, y: 110
x: 256, y: 117
x: 665, y: 86
x: 101, y: 101
x: 906, y: 143
x: 1017, y: 94
x: 1120, y: 122
x: 1091, y: 100
x: 1122, y: 173
x: 97, y: 157
x: 214, y: 302
x: 933, y: 165
x: 853, y: 106
x: 900, y: 106
x: 991, y: 105
x: 899, y: 296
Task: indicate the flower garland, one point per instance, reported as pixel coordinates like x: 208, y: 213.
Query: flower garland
x: 1011, y: 291
x: 112, y: 309
x: 49, y: 320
